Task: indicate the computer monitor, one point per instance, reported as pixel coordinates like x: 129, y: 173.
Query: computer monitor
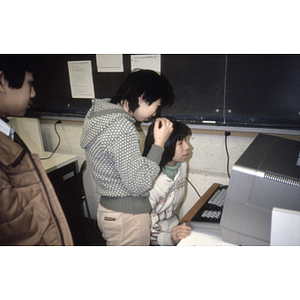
x: 266, y: 175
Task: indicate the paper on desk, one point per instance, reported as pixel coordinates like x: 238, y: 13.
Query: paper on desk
x: 204, y: 239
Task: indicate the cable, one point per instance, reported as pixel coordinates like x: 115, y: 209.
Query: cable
x: 57, y: 122
x: 227, y: 133
x: 193, y: 187
x: 224, y: 94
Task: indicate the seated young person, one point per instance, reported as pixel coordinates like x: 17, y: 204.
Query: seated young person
x: 168, y: 191
x: 30, y: 213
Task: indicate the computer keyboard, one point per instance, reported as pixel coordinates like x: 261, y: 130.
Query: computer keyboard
x: 212, y: 209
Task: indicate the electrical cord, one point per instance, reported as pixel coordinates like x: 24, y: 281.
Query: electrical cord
x: 57, y: 122
x: 227, y: 133
x: 227, y: 153
x: 193, y: 187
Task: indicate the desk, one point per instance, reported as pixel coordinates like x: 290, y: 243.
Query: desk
x: 57, y: 161
x: 62, y: 170
x: 205, y: 237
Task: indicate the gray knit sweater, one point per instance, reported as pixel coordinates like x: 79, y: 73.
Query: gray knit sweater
x: 123, y: 176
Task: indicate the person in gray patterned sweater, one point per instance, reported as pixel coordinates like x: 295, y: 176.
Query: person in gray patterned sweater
x: 111, y: 141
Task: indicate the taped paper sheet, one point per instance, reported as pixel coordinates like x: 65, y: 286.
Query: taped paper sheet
x: 149, y: 62
x: 81, y: 79
x: 109, y: 62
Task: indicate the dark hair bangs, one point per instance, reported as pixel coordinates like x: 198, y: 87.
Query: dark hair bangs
x: 148, y: 84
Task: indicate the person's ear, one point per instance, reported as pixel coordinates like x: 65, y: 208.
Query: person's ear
x: 125, y: 105
x: 2, y: 81
x: 141, y: 99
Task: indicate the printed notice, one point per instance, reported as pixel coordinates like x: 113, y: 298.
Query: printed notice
x: 149, y: 62
x: 109, y: 62
x: 81, y: 79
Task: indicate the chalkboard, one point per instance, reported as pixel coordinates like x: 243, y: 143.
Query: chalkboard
x: 53, y: 91
x: 263, y: 89
x: 224, y: 90
x: 198, y: 83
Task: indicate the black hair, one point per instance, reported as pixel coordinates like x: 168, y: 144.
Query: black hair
x: 179, y: 133
x: 148, y: 84
x: 14, y: 67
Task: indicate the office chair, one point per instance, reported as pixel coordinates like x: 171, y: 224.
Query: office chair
x: 84, y: 200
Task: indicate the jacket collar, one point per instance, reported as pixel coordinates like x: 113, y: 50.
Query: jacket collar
x: 4, y: 127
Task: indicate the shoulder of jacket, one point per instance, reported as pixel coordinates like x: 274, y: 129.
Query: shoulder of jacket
x: 10, y: 152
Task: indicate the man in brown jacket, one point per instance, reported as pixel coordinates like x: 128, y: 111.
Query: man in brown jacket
x: 30, y: 213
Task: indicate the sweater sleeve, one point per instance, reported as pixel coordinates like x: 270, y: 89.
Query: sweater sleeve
x: 137, y: 172
x: 165, y: 239
x: 158, y: 235
x: 155, y: 153
x: 160, y: 238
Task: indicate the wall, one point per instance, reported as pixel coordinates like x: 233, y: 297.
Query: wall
x: 207, y: 160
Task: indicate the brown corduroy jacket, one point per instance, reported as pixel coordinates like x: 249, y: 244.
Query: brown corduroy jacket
x: 30, y: 213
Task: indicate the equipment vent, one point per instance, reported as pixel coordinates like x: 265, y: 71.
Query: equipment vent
x: 283, y: 179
